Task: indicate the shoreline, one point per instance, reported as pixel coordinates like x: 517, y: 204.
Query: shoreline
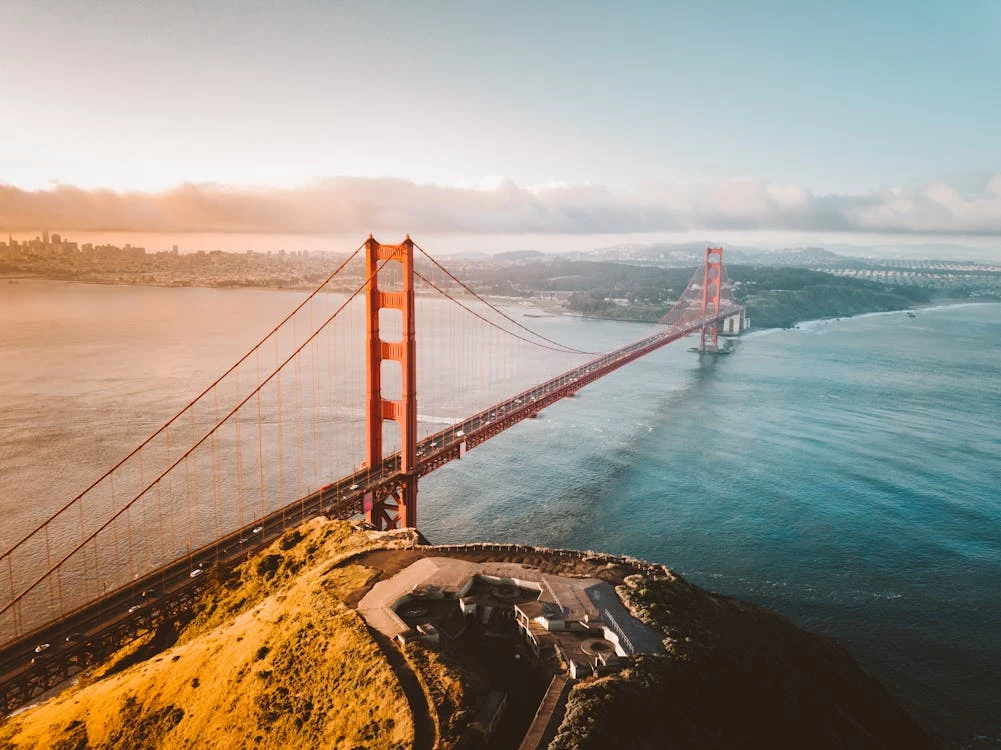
x: 514, y: 302
x: 944, y: 304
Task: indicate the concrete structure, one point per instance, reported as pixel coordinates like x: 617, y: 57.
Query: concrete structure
x: 580, y: 619
x: 548, y: 716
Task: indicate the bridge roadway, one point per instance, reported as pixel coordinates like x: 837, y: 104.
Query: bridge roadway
x: 89, y: 633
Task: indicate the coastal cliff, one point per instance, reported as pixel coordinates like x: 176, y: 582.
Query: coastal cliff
x: 735, y: 676
x: 277, y: 655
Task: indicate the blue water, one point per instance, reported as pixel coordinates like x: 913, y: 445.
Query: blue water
x: 847, y: 474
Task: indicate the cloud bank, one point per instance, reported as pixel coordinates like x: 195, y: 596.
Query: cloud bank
x: 349, y: 204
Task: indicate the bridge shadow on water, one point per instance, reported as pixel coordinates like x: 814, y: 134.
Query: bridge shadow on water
x: 686, y: 399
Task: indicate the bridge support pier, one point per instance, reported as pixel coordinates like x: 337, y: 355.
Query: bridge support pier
x: 395, y: 505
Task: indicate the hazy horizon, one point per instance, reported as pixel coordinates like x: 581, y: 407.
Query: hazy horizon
x: 977, y: 249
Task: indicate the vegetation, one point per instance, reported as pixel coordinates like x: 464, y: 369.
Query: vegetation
x: 275, y: 659
x: 775, y: 296
x: 641, y: 285
x: 454, y: 690
x: 734, y: 676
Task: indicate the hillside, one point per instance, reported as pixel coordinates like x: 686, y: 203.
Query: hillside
x: 275, y: 659
x: 277, y: 656
x: 775, y: 296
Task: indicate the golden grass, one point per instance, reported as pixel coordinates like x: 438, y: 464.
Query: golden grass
x: 453, y: 690
x: 274, y: 659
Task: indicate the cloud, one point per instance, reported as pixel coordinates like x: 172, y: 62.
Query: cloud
x: 498, y: 205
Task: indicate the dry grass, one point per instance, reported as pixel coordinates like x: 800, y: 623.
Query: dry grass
x: 275, y: 659
x: 453, y: 689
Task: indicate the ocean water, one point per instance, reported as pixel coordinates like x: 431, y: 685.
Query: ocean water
x: 846, y: 473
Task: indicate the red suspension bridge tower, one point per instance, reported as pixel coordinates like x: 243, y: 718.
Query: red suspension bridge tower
x: 396, y: 505
x: 711, y: 288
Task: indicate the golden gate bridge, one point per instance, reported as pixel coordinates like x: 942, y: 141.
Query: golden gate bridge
x: 314, y: 419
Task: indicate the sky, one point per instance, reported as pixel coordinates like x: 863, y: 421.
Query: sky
x: 575, y: 119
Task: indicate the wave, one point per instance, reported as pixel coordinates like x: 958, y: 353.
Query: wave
x: 954, y: 306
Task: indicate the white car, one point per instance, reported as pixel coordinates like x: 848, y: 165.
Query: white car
x: 257, y: 530
x: 195, y: 573
x: 42, y: 647
x: 134, y: 608
x: 353, y: 487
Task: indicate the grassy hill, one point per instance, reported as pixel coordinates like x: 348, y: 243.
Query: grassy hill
x: 775, y: 296
x: 276, y: 659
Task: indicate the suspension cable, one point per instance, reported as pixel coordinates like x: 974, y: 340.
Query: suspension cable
x: 500, y: 312
x: 559, y: 348
x: 14, y: 600
x: 174, y: 418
